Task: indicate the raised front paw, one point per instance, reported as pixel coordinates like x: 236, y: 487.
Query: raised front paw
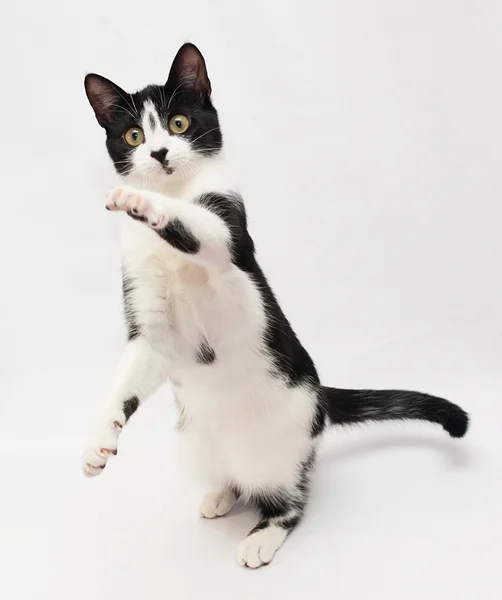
x: 138, y: 204
x: 102, y: 447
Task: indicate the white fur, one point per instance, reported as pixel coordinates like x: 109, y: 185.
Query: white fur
x: 243, y: 425
x: 259, y: 548
x: 217, y: 504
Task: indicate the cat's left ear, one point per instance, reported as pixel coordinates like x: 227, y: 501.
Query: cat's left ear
x: 189, y: 71
x: 104, y: 97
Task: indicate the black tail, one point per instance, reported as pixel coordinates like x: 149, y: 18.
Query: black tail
x: 356, y: 406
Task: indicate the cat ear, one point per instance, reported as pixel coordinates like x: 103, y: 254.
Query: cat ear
x: 189, y: 71
x: 104, y: 97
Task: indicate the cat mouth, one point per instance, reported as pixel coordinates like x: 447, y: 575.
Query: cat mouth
x: 167, y: 169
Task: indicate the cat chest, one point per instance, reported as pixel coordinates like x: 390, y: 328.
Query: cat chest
x: 174, y: 304
x: 194, y: 317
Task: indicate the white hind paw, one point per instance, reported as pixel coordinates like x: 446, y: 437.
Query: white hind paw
x: 259, y: 548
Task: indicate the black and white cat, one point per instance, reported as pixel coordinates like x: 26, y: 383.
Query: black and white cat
x: 201, y: 314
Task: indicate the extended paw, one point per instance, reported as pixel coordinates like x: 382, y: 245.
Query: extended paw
x: 102, y: 448
x: 217, y: 504
x: 259, y: 548
x: 138, y: 204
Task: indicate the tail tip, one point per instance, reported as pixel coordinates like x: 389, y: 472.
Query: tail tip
x: 456, y: 423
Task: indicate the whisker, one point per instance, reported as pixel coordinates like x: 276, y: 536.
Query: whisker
x: 205, y: 133
x: 124, y: 109
x: 133, y: 103
x: 127, y: 101
x: 173, y: 94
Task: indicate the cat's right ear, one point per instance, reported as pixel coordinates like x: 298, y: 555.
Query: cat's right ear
x: 104, y: 97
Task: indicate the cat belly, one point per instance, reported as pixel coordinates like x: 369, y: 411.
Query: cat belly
x: 226, y: 443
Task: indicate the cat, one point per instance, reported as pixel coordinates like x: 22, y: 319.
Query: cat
x: 201, y: 314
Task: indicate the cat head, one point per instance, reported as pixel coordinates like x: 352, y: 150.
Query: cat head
x: 162, y: 131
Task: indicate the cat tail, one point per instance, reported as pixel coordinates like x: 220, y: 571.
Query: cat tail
x: 357, y: 406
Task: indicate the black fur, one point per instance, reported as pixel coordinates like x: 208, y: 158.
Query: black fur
x: 133, y: 329
x: 205, y: 354
x: 177, y: 234
x: 319, y: 420
x: 130, y: 407
x: 356, y: 406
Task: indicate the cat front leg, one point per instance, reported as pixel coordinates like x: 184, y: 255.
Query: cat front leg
x: 141, y: 370
x: 198, y: 233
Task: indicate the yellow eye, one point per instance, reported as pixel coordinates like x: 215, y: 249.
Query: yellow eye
x: 179, y: 124
x: 134, y: 136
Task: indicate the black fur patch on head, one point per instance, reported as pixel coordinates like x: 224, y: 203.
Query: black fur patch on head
x: 151, y: 120
x: 187, y: 92
x: 205, y: 354
x: 130, y: 407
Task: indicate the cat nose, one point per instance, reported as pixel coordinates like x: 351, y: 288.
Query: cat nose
x: 159, y: 155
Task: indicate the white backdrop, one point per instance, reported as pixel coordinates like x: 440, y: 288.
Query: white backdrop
x: 370, y: 166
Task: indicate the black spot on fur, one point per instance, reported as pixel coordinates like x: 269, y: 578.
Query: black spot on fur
x: 176, y: 234
x: 205, y: 354
x: 130, y: 407
x: 133, y: 329
x: 151, y: 120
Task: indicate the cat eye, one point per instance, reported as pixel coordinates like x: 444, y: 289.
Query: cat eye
x: 179, y: 124
x: 134, y: 136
